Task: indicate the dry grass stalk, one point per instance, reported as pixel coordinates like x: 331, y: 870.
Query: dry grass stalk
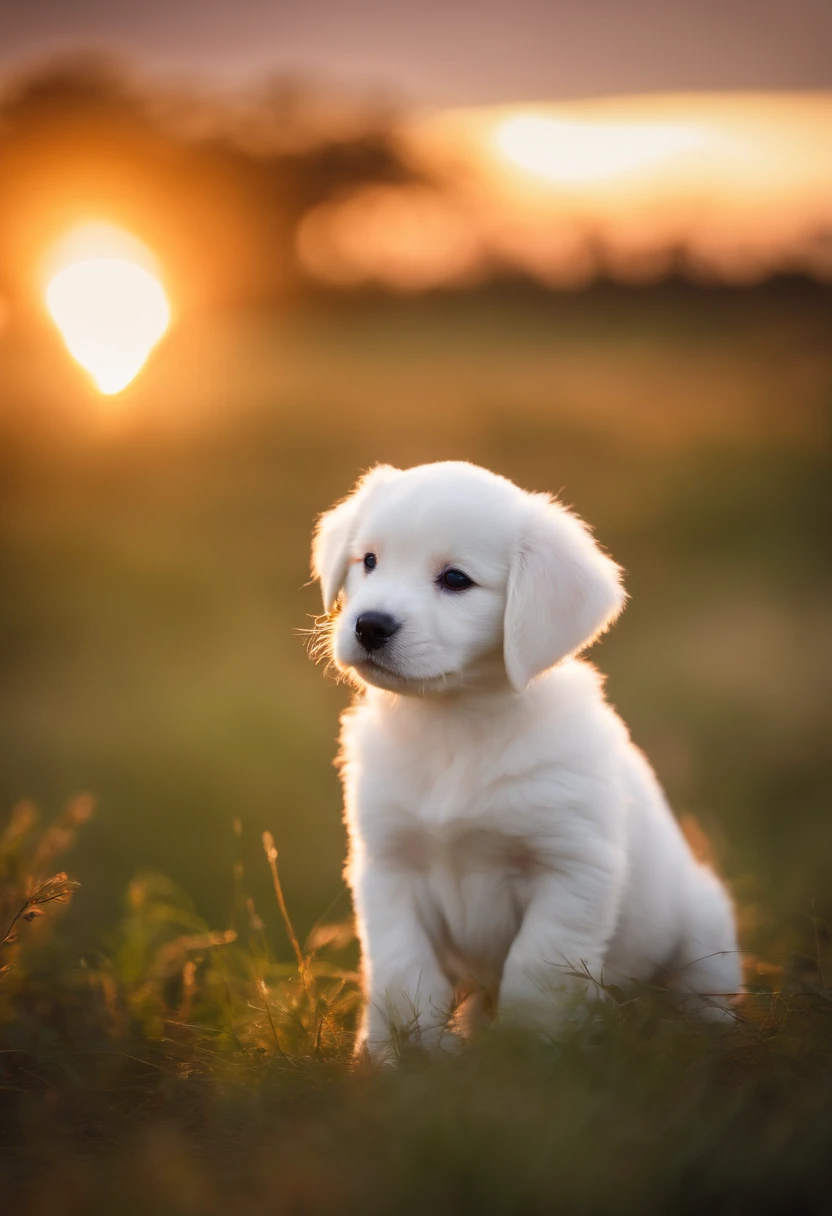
x: 57, y: 889
x: 271, y: 856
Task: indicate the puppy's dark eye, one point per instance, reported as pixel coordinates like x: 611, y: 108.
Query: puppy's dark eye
x: 455, y: 580
x: 370, y: 561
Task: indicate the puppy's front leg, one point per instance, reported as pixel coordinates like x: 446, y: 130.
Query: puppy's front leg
x: 408, y: 996
x: 560, y: 948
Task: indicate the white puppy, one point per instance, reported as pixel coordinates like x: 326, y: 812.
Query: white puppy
x: 506, y: 836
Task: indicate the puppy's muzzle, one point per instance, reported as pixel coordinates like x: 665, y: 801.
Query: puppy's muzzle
x: 375, y: 629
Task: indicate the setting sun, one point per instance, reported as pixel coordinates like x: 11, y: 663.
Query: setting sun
x: 108, y: 303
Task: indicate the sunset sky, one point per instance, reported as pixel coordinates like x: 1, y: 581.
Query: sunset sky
x: 741, y: 182
x: 555, y: 140
x: 435, y: 52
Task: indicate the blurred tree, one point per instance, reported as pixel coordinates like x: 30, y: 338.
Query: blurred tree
x: 80, y: 141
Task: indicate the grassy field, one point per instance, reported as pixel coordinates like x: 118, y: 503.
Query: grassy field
x: 155, y: 561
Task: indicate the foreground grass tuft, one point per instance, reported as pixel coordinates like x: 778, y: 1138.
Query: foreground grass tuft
x: 188, y: 1070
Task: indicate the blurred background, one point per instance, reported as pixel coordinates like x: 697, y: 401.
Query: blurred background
x: 246, y: 251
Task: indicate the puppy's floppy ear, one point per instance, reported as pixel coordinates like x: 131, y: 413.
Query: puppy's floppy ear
x: 334, y: 532
x: 562, y: 592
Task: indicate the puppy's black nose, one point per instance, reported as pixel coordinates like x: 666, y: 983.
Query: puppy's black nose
x: 375, y: 629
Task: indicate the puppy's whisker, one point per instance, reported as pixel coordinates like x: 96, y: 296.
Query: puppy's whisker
x: 319, y: 638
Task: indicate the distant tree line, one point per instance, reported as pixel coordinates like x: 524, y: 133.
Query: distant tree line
x: 80, y: 140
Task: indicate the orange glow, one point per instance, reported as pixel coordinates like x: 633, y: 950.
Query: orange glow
x: 727, y: 188
x: 560, y: 150
x: 411, y: 238
x: 109, y: 304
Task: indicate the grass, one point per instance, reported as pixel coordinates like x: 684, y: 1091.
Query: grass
x: 186, y: 1070
x: 189, y: 1053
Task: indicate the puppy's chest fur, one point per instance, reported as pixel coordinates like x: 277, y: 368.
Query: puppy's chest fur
x: 471, y: 887
x: 444, y: 819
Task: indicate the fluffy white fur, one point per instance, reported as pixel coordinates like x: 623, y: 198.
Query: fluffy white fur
x: 506, y: 836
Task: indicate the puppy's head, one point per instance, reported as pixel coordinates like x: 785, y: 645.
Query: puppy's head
x: 448, y: 575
